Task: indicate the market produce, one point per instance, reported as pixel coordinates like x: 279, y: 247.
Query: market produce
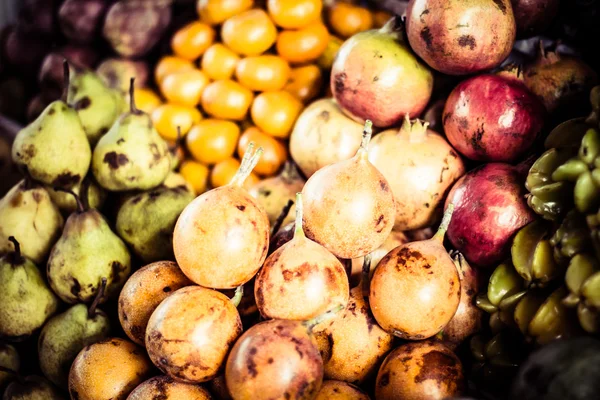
x: 420, y: 167
x: 348, y: 19
x: 28, y: 214
x: 461, y: 37
x: 365, y: 80
x: 117, y: 73
x: 423, y: 272
x: 27, y: 301
x: 10, y: 363
x: 81, y: 20
x: 109, y: 369
x: 305, y: 82
x: 395, y: 239
x: 95, y: 196
x: 32, y: 388
x: 274, y: 151
x: 420, y: 370
x: 173, y: 329
x: 164, y: 387
x: 493, y: 118
x: 330, y: 218
x: 86, y: 252
x: 39, y: 147
x: 338, y: 390
x: 300, y: 280
x: 534, y: 16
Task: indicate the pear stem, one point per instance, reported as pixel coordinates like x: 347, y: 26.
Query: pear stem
x: 366, y: 276
x: 311, y: 323
x: 84, y: 193
x: 17, y: 256
x: 80, y: 206
x: 284, y: 213
x: 366, y: 138
x: 394, y: 27
x: 237, y: 297
x: 249, y: 161
x: 298, y: 231
x: 132, y: 107
x: 173, y: 149
x: 99, y: 296
x: 441, y: 232
x: 66, y: 80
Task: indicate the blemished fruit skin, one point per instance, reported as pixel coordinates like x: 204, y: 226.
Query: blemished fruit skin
x: 166, y: 388
x: 339, y: 390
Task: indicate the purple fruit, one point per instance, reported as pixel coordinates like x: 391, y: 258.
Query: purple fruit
x: 81, y: 20
x: 37, y: 16
x: 24, y: 51
x: 51, y: 72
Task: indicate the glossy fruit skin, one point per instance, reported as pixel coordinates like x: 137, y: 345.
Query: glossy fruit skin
x: 534, y: 16
x: 196, y: 174
x: 277, y: 358
x: 170, y: 64
x: 145, y: 289
x: 491, y: 118
x: 230, y: 230
x: 274, y: 152
x: 421, y: 370
x: 357, y: 80
x: 339, y: 390
x: 303, y: 45
x: 212, y: 140
x: 167, y: 117
x: 490, y: 207
x: 215, y: 12
x: 294, y: 14
x: 146, y: 100
x: 219, y: 62
x: 459, y: 37
x: 395, y: 239
x: 275, y: 113
x: 305, y: 82
x: 348, y: 19
x: 166, y: 388
x: 191, y: 41
x: 263, y: 73
x: 226, y: 99
x: 249, y: 33
x: 223, y: 172
x: 172, y: 333
x: 185, y: 87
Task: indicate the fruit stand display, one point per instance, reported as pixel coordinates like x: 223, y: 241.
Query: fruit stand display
x: 299, y: 199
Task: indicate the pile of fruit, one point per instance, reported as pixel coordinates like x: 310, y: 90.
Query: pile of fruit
x: 312, y: 200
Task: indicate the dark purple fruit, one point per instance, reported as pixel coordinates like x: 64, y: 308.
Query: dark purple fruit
x: 81, y: 20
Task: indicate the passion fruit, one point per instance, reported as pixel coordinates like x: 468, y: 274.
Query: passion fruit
x: 339, y: 390
x: 165, y: 388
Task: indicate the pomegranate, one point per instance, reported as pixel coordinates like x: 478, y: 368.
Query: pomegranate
x: 459, y: 37
x: 534, y: 16
x: 490, y: 207
x: 492, y: 118
x: 375, y: 76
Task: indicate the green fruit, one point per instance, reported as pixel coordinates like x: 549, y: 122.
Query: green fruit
x: 526, y: 310
x: 28, y: 214
x: 590, y: 146
x: 581, y: 267
x: 590, y: 290
x: 570, y: 170
x: 66, y: 203
x: 97, y: 105
x: 567, y: 134
x: 587, y: 194
x: 32, y: 388
x: 553, y: 320
x: 131, y: 155
x: 505, y: 281
x: 86, y: 252
x: 572, y: 237
x: 26, y: 300
x: 175, y: 180
x: 63, y: 337
x: 9, y: 361
x: 589, y: 318
x: 146, y: 221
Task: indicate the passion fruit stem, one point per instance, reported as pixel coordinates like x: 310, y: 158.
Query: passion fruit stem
x: 415, y: 130
x: 282, y: 216
x: 298, y: 231
x: 66, y: 81
x: 366, y: 138
x: 99, y: 296
x: 237, y: 297
x: 311, y: 323
x: 249, y: 161
x: 80, y: 206
x: 441, y: 232
x: 394, y: 27
x: 17, y: 257
x: 366, y: 276
x: 132, y: 108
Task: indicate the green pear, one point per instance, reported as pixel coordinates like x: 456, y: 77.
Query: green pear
x: 27, y: 301
x: 87, y: 251
x: 54, y: 148
x: 9, y: 363
x: 95, y: 194
x: 98, y: 106
x: 146, y: 221
x: 63, y: 337
x: 131, y: 155
x: 28, y: 213
x: 32, y: 388
x: 175, y: 179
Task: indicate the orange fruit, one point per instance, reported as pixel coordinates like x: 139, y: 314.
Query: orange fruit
x: 170, y: 64
x: 274, y: 152
x: 263, y: 73
x: 219, y: 62
x: 250, y: 33
x: 380, y: 18
x: 305, y: 82
x: 167, y: 117
x: 223, y: 172
x: 191, y: 41
x: 276, y: 112
x: 146, y: 100
x: 184, y: 87
x: 294, y: 14
x: 195, y: 174
x: 325, y: 60
x: 214, y: 12
x: 303, y: 45
x: 212, y: 140
x: 226, y: 99
x: 347, y: 19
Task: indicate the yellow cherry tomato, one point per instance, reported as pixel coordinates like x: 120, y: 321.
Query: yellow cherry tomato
x: 294, y: 14
x: 146, y: 100
x: 305, y: 82
x: 250, y: 33
x: 167, y: 117
x: 303, y: 45
x: 223, y: 172
x: 325, y: 60
x: 276, y: 112
x: 274, y: 152
x: 214, y: 12
x: 263, y: 73
x: 184, y: 87
x: 195, y: 174
x: 170, y: 64
x: 226, y: 99
x: 212, y: 140
x: 347, y: 19
x: 219, y: 62
x: 191, y: 41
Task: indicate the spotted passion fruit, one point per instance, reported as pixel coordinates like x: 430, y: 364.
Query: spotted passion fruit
x: 165, y: 388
